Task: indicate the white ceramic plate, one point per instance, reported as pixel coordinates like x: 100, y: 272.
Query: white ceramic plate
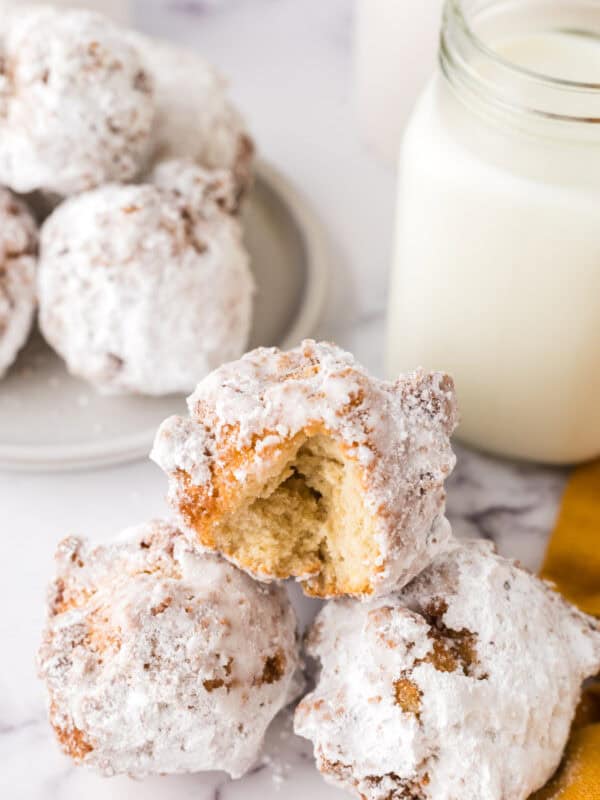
x: 50, y: 420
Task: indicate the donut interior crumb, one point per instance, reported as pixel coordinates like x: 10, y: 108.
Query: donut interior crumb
x: 308, y: 521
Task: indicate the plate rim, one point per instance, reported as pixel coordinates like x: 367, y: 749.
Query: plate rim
x: 133, y: 447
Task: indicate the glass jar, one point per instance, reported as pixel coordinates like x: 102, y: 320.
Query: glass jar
x: 496, y: 274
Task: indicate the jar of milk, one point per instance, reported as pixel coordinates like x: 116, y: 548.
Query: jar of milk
x: 497, y: 267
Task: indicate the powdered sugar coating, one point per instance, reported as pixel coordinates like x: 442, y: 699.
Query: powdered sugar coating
x: 18, y: 256
x: 159, y: 659
x: 146, y: 288
x: 462, y: 685
x: 195, y: 117
x: 245, y: 412
x: 76, y: 104
x: 201, y: 188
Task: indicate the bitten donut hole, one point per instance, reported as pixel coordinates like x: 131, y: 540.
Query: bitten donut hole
x: 309, y: 522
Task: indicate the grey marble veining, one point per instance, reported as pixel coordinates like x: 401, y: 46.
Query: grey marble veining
x: 513, y: 505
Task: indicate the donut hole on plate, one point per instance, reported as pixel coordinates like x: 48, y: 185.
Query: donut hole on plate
x: 307, y: 521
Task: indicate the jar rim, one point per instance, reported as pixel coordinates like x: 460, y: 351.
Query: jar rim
x: 456, y: 9
x: 484, y: 77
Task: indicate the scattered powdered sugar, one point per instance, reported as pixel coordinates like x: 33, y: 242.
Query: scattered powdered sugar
x: 279, y: 770
x: 145, y: 288
x: 18, y: 256
x: 398, y: 432
x: 76, y: 103
x: 159, y: 659
x: 283, y: 752
x: 464, y: 684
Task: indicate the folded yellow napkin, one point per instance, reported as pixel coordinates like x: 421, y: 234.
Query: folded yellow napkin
x: 573, y: 563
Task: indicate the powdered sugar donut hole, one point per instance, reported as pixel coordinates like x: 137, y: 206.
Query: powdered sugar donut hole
x: 146, y: 288
x: 195, y: 116
x: 299, y: 464
x: 463, y: 684
x: 160, y: 659
x: 76, y: 103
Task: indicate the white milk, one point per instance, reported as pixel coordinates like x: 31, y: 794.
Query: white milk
x: 396, y: 45
x: 497, y: 270
x: 566, y: 56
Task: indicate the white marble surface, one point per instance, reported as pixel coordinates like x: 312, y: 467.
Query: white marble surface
x: 290, y: 65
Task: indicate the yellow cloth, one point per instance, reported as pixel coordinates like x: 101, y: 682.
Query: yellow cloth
x: 573, y: 563
x: 573, y: 557
x: 579, y: 775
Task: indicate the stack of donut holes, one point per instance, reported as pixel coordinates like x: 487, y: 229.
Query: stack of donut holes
x: 446, y: 672
x: 123, y: 165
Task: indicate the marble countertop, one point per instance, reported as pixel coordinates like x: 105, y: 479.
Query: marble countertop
x: 303, y: 119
